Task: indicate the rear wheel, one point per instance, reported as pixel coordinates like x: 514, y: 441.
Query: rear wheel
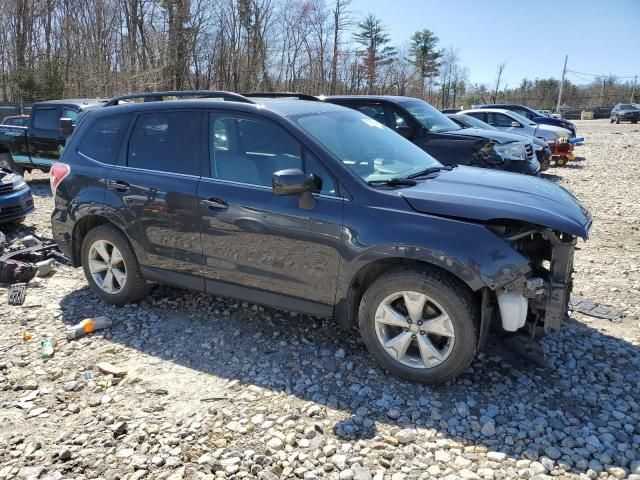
x: 561, y: 161
x: 611, y: 120
x: 419, y: 324
x: 111, y: 267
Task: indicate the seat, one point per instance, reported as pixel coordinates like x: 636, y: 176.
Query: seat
x: 236, y: 168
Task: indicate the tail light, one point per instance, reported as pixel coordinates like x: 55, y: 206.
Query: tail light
x: 59, y: 172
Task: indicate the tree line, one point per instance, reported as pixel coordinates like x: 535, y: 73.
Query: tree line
x: 100, y: 48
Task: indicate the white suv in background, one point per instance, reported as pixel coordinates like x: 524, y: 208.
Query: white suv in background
x: 512, y: 122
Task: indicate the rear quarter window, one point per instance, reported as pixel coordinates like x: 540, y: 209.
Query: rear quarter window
x: 101, y: 139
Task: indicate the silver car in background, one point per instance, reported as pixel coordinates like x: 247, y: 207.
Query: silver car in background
x: 508, y: 121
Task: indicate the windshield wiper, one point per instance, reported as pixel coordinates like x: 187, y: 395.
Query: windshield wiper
x: 394, y: 182
x: 429, y: 170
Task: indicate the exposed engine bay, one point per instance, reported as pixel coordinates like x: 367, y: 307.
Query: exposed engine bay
x: 539, y: 302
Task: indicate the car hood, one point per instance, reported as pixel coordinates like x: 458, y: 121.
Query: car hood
x: 482, y: 194
x: 552, y: 128
x: 495, y: 135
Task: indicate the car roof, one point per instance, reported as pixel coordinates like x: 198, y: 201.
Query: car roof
x: 281, y: 106
x: 78, y: 102
x: 390, y: 98
x: 495, y: 110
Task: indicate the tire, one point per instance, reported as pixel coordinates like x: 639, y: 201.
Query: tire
x: 634, y: 121
x: 18, y: 221
x: 126, y: 288
x: 444, y: 296
x: 611, y: 120
x: 561, y: 161
x: 617, y: 120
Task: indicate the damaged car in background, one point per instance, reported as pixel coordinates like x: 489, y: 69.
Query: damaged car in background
x: 317, y: 208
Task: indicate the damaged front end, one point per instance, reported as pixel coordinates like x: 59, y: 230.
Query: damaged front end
x: 537, y: 303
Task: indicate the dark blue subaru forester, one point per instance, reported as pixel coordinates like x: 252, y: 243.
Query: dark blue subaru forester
x: 314, y: 207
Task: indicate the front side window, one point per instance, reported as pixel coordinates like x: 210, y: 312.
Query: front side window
x: 499, y: 120
x: 249, y: 150
x: 373, y: 151
x: 374, y: 111
x: 69, y: 113
x: 431, y: 118
x: 166, y: 142
x: 46, y: 119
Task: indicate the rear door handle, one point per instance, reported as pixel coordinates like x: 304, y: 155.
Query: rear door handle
x: 118, y: 185
x: 215, y: 203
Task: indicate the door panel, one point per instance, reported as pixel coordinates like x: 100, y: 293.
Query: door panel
x: 44, y: 138
x: 254, y: 238
x: 157, y: 186
x: 264, y: 241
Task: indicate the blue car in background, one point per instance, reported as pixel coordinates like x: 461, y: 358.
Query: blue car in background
x: 533, y: 115
x: 15, y: 197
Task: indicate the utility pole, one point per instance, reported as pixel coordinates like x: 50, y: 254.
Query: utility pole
x: 633, y: 89
x: 602, y: 92
x: 564, y: 71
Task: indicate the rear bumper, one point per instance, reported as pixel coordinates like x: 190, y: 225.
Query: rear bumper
x: 16, y: 205
x: 63, y: 235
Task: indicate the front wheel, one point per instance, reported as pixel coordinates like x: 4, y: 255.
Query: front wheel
x: 419, y: 324
x: 617, y: 120
x: 561, y: 161
x: 111, y: 267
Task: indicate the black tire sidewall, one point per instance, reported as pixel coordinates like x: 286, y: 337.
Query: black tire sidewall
x: 132, y: 288
x: 449, y: 298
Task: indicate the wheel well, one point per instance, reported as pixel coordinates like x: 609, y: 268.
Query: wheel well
x: 370, y: 272
x: 81, y: 229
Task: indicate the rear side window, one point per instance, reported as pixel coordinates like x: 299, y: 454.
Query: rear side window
x: 101, y: 140
x: 46, y: 119
x: 166, y: 142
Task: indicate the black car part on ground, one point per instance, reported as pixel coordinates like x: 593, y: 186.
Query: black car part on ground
x: 18, y: 264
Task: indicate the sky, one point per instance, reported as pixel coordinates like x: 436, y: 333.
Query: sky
x: 532, y: 37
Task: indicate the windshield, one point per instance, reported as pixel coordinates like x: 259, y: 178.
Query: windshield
x: 522, y: 119
x: 373, y: 151
x: 474, y: 122
x: 628, y: 106
x: 430, y: 118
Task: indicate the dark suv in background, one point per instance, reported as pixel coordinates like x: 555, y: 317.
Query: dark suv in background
x: 312, y: 207
x: 625, y: 112
x: 442, y: 138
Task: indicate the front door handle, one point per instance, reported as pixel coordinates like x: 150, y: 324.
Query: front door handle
x: 215, y: 203
x: 118, y: 185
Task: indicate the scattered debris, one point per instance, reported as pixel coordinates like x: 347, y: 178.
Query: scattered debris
x: 26, y: 336
x: 19, y: 262
x: 48, y: 348
x: 593, y: 309
x: 110, y: 369
x: 17, y: 293
x: 88, y: 375
x: 88, y: 325
x: 46, y: 267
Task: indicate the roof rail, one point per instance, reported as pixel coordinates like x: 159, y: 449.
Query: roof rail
x: 299, y: 96
x: 159, y: 96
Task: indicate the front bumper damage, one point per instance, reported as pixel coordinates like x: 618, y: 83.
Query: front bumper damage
x: 547, y: 290
x: 536, y: 304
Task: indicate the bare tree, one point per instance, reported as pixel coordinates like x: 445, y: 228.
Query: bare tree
x: 494, y: 97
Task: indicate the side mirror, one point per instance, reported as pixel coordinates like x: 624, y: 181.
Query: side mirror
x: 406, y: 131
x: 66, y: 127
x: 515, y: 124
x: 293, y: 181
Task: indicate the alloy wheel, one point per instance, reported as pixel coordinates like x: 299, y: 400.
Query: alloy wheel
x: 107, y: 267
x: 414, y: 329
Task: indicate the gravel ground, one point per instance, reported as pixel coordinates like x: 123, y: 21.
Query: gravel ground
x: 217, y: 388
